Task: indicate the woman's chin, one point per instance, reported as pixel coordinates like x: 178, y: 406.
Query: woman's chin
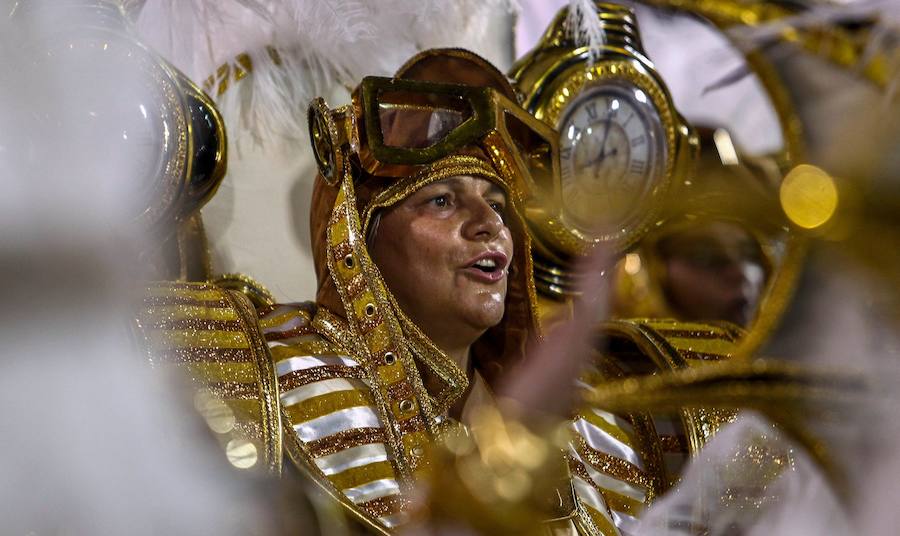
x: 486, y: 314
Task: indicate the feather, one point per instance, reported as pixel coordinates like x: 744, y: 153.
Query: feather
x: 883, y: 38
x: 585, y: 27
x: 298, y: 49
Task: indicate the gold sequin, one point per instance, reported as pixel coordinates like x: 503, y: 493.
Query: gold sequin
x: 297, y: 378
x: 345, y: 439
x: 194, y: 324
x: 175, y: 300
x: 673, y: 444
x: 612, y: 466
x: 240, y: 391
x: 194, y: 312
x: 198, y: 338
x: 191, y: 355
x: 383, y: 506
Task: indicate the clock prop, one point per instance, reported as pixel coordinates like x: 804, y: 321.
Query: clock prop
x: 624, y: 149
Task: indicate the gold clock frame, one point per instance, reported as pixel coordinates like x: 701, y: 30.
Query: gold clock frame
x: 556, y: 55
x: 569, y: 87
x: 551, y: 77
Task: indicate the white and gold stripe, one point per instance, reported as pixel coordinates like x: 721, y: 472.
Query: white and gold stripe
x: 329, y: 402
x: 612, y: 501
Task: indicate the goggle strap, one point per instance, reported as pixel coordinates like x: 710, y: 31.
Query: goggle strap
x: 345, y: 120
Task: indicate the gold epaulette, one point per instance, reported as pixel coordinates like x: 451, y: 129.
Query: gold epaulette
x: 211, y: 335
x: 672, y: 344
x: 642, y: 346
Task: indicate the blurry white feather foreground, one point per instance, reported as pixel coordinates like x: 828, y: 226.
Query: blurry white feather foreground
x: 294, y: 50
x: 94, y: 442
x: 749, y: 480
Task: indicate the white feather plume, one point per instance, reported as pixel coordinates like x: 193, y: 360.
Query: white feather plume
x: 317, y: 44
x: 585, y: 27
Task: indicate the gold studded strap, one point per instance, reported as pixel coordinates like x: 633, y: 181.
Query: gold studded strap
x: 211, y: 336
x: 399, y: 395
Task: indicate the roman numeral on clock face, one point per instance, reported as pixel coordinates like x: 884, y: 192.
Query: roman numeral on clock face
x: 640, y: 140
x: 637, y: 167
x: 591, y: 109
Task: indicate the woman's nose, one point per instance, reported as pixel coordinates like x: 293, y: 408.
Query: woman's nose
x: 484, y: 222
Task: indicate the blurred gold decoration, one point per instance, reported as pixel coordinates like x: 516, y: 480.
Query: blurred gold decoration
x: 730, y: 223
x: 241, y: 453
x: 791, y: 396
x: 844, y: 46
x: 504, y: 478
x: 808, y: 196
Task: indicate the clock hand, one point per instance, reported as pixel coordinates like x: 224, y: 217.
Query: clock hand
x: 602, y: 156
x: 605, y: 136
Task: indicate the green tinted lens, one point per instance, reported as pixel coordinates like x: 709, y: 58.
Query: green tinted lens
x: 416, y: 120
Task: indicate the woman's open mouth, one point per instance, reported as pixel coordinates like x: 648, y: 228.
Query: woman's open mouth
x: 488, y: 267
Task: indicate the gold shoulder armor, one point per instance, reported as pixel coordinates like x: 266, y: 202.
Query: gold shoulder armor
x: 645, y: 452
x: 666, y: 344
x: 644, y: 346
x: 212, y: 336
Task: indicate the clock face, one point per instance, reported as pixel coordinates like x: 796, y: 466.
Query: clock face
x: 612, y: 156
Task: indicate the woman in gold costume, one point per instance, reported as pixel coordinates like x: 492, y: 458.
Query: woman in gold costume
x: 426, y: 301
x: 422, y: 341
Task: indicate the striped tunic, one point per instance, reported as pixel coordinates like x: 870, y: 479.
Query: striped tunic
x: 329, y: 406
x: 621, y: 463
x: 326, y: 419
x: 618, y: 464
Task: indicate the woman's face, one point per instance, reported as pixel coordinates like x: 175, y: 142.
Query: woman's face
x: 714, y: 271
x: 444, y: 253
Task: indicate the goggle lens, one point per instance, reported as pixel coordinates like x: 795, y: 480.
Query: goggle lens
x: 414, y: 120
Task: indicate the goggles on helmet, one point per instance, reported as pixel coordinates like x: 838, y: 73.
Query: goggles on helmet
x: 395, y: 127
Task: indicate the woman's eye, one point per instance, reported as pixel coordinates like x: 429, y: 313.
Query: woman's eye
x: 440, y: 201
x: 498, y: 207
